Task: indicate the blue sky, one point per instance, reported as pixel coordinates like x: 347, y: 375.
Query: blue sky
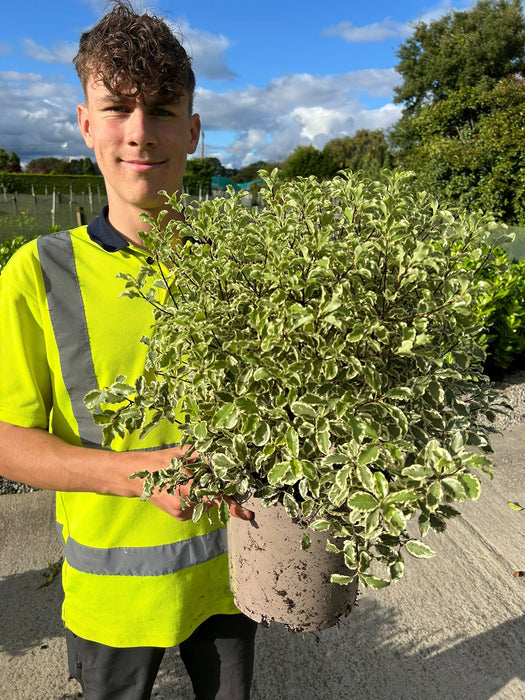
x: 271, y: 75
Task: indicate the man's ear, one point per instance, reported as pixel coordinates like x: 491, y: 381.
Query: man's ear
x: 195, y: 132
x: 84, y: 124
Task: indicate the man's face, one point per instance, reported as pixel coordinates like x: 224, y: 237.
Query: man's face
x: 140, y: 143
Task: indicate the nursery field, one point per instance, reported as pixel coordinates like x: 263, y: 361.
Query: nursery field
x: 29, y: 215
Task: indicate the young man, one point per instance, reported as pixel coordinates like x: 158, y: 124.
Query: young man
x: 138, y: 576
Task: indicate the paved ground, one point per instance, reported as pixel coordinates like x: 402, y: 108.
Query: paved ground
x: 452, y: 629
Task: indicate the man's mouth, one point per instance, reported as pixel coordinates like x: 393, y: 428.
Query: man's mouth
x: 143, y: 165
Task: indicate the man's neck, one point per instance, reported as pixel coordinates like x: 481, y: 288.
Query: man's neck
x: 128, y: 224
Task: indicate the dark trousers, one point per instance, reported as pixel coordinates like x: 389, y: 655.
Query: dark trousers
x: 218, y: 657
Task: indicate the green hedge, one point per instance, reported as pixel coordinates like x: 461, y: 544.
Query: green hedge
x: 22, y: 182
x: 502, y: 315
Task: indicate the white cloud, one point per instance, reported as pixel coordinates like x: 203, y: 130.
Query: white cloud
x: 62, y: 52
x: 317, y: 120
x: 207, y: 51
x: 41, y: 116
x: 377, y: 31
x: 388, y: 29
x: 269, y: 122
x: 380, y: 118
x: 260, y: 107
x: 265, y: 123
x: 442, y: 8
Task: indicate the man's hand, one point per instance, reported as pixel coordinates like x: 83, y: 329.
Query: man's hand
x: 64, y: 467
x: 173, y: 503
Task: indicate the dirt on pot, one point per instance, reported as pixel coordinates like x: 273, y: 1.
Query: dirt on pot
x: 274, y: 580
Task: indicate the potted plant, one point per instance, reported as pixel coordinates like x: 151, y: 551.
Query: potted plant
x: 324, y: 348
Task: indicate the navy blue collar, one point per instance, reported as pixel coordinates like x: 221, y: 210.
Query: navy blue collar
x: 102, y: 232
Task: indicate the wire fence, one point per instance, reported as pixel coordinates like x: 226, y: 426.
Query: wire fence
x: 35, y: 214
x: 32, y: 214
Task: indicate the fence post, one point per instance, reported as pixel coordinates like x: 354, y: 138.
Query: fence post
x: 15, y: 208
x: 53, y: 207
x: 81, y: 217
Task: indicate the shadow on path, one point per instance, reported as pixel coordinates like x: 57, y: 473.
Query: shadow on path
x: 28, y: 614
x: 364, y: 658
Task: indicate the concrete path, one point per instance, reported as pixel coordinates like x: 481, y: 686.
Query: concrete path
x: 452, y: 629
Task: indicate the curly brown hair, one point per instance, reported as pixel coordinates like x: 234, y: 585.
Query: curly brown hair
x: 132, y: 54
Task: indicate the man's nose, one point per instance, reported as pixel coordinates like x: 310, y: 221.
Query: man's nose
x: 141, y: 129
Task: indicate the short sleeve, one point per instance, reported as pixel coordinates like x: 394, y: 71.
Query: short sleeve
x: 25, y: 383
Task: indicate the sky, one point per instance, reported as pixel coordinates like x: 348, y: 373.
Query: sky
x: 271, y: 75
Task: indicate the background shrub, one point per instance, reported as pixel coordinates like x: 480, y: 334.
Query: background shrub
x: 502, y: 315
x: 7, y: 248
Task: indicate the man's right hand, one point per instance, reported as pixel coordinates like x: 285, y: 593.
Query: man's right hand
x: 64, y: 467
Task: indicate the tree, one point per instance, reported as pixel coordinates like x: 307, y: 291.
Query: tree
x: 43, y: 164
x: 307, y: 160
x: 464, y: 101
x: 251, y: 172
x: 87, y: 167
x: 66, y: 167
x: 63, y: 166
x: 13, y: 163
x: 367, y: 151
x: 198, y: 175
x: 9, y: 162
x: 474, y: 47
x: 470, y: 149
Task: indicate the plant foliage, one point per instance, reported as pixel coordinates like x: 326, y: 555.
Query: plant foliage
x: 323, y: 350
x: 502, y: 315
x: 9, y: 247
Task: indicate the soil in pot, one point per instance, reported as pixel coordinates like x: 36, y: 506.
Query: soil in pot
x: 274, y: 580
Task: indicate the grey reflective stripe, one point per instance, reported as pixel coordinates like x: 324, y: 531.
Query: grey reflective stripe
x: 68, y: 318
x: 146, y: 561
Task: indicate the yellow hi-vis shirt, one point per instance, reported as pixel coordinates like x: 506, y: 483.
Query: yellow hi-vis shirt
x: 133, y: 575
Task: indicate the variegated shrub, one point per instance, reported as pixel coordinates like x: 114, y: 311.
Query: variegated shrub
x: 323, y: 348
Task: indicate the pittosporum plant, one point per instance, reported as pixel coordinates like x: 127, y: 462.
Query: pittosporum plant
x: 323, y: 348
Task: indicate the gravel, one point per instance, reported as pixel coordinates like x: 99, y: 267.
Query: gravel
x: 7, y: 486
x: 511, y: 389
